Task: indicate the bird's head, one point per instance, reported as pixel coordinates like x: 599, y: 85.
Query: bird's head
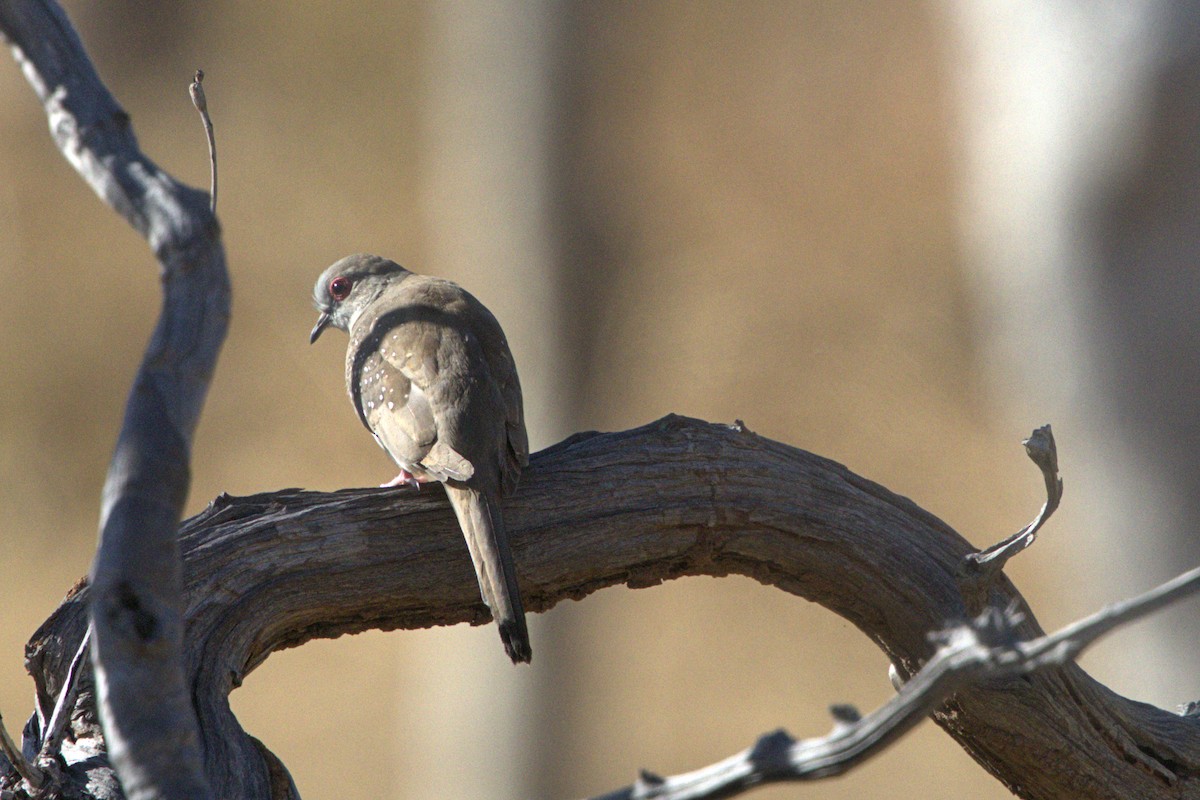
x: 349, y: 286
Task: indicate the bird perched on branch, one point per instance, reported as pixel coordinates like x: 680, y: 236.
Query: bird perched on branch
x: 430, y: 374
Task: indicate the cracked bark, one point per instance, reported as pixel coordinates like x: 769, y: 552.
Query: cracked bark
x: 275, y: 570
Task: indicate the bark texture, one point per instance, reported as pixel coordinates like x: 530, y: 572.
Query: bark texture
x: 136, y: 601
x: 677, y: 497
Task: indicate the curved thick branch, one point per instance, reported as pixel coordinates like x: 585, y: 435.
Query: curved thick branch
x: 136, y: 598
x: 692, y: 498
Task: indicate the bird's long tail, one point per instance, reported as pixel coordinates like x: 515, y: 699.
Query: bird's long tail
x: 483, y: 527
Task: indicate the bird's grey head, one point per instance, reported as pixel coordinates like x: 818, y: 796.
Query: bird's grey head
x: 349, y: 286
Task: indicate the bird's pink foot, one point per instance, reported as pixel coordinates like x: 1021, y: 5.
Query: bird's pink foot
x: 405, y: 478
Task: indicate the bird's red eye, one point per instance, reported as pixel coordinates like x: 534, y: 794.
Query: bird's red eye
x: 339, y: 287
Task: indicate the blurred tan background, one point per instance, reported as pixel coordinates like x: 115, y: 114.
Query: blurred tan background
x: 900, y: 235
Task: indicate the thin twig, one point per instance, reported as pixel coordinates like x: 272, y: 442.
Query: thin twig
x: 969, y: 653
x: 1042, y: 451
x: 57, y: 727
x: 1068, y: 642
x: 196, y: 90
x: 778, y: 757
x: 980, y: 569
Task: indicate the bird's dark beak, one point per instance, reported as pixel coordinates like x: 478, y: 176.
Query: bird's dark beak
x: 322, y: 321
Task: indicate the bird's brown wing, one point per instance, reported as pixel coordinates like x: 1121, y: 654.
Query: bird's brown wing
x: 414, y: 355
x: 504, y: 372
x: 508, y: 437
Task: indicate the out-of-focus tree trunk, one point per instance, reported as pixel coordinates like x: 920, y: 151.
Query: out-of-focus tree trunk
x: 487, y: 130
x: 1081, y: 191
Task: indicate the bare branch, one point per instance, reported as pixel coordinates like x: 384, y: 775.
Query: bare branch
x: 677, y: 497
x: 56, y: 728
x: 981, y: 568
x: 1071, y: 640
x: 1042, y: 451
x: 201, y: 103
x: 971, y: 653
x: 136, y: 609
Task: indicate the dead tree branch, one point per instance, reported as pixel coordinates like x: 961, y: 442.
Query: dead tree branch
x: 683, y: 497
x: 980, y: 570
x: 1042, y: 451
x: 153, y: 739
x: 688, y: 498
x: 985, y: 649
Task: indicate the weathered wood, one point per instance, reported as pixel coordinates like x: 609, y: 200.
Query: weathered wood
x: 137, y: 625
x: 678, y: 497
